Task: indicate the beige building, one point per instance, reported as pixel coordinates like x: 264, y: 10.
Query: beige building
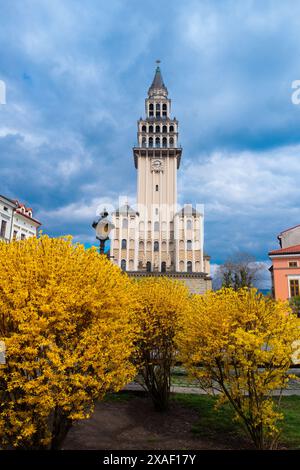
x: 158, y: 237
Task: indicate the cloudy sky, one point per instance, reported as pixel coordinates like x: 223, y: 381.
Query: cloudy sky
x: 77, y: 74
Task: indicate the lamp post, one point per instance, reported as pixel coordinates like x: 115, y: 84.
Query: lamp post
x: 103, y: 227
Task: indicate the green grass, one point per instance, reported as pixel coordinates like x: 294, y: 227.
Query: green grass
x: 216, y: 424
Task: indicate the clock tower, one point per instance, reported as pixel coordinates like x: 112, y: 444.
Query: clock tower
x: 160, y: 238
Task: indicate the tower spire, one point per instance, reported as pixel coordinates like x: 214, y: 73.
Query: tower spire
x: 157, y: 86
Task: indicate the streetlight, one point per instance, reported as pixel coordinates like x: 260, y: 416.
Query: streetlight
x: 103, y: 227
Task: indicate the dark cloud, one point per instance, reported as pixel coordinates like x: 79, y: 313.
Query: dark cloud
x: 76, y: 79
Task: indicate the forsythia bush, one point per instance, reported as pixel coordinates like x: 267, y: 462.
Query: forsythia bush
x: 65, y: 318
x: 240, y: 344
x: 162, y: 303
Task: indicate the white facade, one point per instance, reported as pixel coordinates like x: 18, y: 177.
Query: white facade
x: 16, y: 221
x: 7, y: 208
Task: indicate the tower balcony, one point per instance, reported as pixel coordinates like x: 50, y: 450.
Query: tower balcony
x: 156, y: 152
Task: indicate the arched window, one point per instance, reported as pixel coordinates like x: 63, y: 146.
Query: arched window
x: 157, y: 129
x: 181, y: 266
x: 151, y: 106
x: 156, y: 226
x: 189, y: 224
x: 164, y: 106
x: 189, y: 267
x: 131, y: 244
x: 124, y: 244
x: 157, y: 142
x: 123, y: 264
x: 131, y: 264
x: 144, y: 129
x: 164, y: 246
x: 163, y: 267
x: 156, y: 246
x: 157, y: 107
x: 125, y: 223
x: 189, y: 245
x: 144, y: 141
x: 141, y: 245
x: 171, y: 142
x: 164, y: 129
x: 148, y: 267
x: 151, y: 129
x: 150, y: 142
x: 171, y: 129
x: 164, y: 142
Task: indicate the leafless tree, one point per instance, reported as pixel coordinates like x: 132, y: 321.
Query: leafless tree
x: 240, y: 270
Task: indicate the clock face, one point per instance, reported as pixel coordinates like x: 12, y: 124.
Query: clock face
x: 156, y: 164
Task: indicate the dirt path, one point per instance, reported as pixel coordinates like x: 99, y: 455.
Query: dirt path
x: 134, y: 424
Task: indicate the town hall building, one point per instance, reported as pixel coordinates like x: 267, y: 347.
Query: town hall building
x: 157, y: 237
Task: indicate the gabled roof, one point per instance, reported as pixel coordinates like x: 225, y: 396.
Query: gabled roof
x: 288, y: 229
x: 290, y: 250
x: 188, y: 210
x: 126, y: 210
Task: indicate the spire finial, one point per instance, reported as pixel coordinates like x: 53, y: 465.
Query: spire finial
x: 158, y: 61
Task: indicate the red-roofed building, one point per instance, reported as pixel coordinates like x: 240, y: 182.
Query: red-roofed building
x: 285, y: 269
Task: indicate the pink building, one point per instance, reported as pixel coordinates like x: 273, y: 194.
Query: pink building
x: 285, y: 269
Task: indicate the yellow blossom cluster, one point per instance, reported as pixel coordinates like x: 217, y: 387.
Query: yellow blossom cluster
x: 162, y: 303
x: 239, y: 344
x: 66, y: 321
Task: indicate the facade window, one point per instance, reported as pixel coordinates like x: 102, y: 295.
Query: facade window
x: 293, y: 264
x: 157, y: 107
x: 164, y: 129
x: 123, y: 264
x: 164, y: 107
x: 3, y: 228
x: 163, y: 267
x: 156, y: 226
x: 125, y: 223
x: 156, y: 246
x: 23, y: 236
x: 171, y: 142
x: 144, y: 129
x: 150, y: 142
x: 171, y: 128
x: 124, y: 244
x: 157, y: 129
x: 151, y: 109
x: 156, y: 187
x: 5, y: 208
x: 144, y: 142
x: 15, y: 235
x: 148, y: 267
x: 151, y: 129
x: 294, y: 287
x: 189, y: 267
x: 164, y: 142
x: 157, y: 142
x: 189, y: 245
x: 189, y: 224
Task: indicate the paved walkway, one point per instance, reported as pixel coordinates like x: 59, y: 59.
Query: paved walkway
x: 293, y: 388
